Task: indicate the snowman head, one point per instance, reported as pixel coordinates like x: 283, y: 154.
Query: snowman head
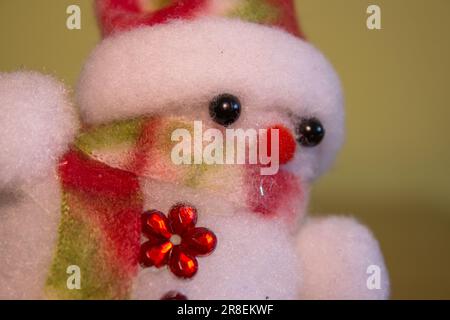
x: 182, y: 63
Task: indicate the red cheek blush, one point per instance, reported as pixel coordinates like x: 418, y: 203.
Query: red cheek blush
x: 268, y: 194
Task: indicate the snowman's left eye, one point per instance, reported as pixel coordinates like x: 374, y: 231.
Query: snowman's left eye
x: 310, y: 132
x: 225, y: 109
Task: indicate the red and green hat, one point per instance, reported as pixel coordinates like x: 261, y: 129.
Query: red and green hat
x: 120, y: 15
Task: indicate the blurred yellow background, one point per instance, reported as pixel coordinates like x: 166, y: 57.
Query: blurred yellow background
x: 393, y: 172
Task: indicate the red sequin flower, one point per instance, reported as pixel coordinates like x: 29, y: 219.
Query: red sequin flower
x: 175, y: 241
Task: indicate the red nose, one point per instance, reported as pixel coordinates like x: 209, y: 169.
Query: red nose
x: 286, y: 142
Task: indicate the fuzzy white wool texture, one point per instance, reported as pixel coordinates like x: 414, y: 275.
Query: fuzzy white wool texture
x: 254, y: 259
x: 28, y: 231
x: 37, y: 123
x: 337, y: 257
x: 179, y: 67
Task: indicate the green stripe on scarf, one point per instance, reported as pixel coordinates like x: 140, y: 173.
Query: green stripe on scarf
x: 109, y: 135
x: 98, y: 232
x: 258, y: 11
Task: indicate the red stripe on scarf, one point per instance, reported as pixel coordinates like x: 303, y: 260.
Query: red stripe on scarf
x: 82, y: 173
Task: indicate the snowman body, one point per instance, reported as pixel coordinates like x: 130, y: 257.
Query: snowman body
x: 88, y: 192
x: 243, y: 265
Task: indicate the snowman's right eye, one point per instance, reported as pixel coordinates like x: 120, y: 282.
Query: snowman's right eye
x: 225, y: 109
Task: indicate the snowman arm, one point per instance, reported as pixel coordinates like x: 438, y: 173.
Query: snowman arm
x: 340, y: 259
x: 37, y: 124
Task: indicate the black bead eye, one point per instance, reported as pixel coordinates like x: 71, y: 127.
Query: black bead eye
x: 310, y: 132
x: 225, y: 109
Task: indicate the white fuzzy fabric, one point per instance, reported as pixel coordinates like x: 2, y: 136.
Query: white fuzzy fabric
x: 37, y: 122
x: 28, y: 231
x: 255, y: 259
x: 179, y: 67
x: 335, y: 254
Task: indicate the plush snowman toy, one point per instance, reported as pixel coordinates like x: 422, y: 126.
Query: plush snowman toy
x: 94, y: 206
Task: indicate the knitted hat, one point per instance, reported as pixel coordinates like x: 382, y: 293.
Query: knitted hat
x: 117, y: 15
